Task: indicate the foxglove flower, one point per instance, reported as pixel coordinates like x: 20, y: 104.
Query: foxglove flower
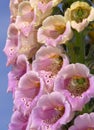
x: 52, y: 111
x: 21, y: 66
x: 48, y: 62
x: 28, y: 45
x: 18, y: 121
x: 50, y: 59
x: 45, y: 2
x: 43, y: 8
x: 27, y: 36
x: 76, y: 83
x: 30, y: 88
x: 17, y: 43
x: 14, y: 9
x: 83, y: 122
x: 25, y: 17
x: 79, y: 14
x: 55, y: 30
x: 11, y: 47
x: 42, y: 12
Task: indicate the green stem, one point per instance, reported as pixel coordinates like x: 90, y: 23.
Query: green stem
x: 76, y: 48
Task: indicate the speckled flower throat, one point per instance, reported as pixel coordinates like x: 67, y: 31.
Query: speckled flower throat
x: 77, y: 85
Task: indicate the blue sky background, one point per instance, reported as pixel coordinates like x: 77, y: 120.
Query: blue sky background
x: 5, y: 98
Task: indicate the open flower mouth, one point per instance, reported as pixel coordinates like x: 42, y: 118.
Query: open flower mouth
x: 56, y: 114
x: 60, y: 28
x: 77, y: 85
x: 55, y: 30
x: 57, y: 62
x: 80, y: 13
x: 26, y: 11
x: 24, y: 8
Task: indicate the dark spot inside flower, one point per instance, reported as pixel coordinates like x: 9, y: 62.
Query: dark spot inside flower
x: 27, y: 104
x: 23, y: 99
x: 50, y: 76
x: 47, y: 81
x: 11, y: 49
x: 30, y: 60
x: 17, y: 78
x: 77, y: 85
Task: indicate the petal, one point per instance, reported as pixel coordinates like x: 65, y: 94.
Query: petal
x: 24, y: 8
x: 11, y: 50
x: 18, y: 121
x: 91, y: 16
x: 28, y: 44
x: 12, y: 31
x: 44, y: 7
x: 75, y: 69
x: 29, y: 80
x: 83, y: 121
x: 79, y: 26
x: 20, y: 68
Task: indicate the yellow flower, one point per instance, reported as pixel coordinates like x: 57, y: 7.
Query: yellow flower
x: 54, y: 30
x: 54, y: 2
x: 79, y: 14
x: 25, y: 16
x: 24, y: 7
x: 43, y: 9
x: 14, y: 9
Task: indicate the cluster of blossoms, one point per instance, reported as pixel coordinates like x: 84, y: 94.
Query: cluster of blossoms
x: 49, y: 80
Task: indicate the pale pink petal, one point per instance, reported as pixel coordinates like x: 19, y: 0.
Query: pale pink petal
x: 18, y: 121
x: 21, y: 67
x: 85, y: 121
x: 11, y: 50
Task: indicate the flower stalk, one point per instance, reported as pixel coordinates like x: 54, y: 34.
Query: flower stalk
x: 76, y: 48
